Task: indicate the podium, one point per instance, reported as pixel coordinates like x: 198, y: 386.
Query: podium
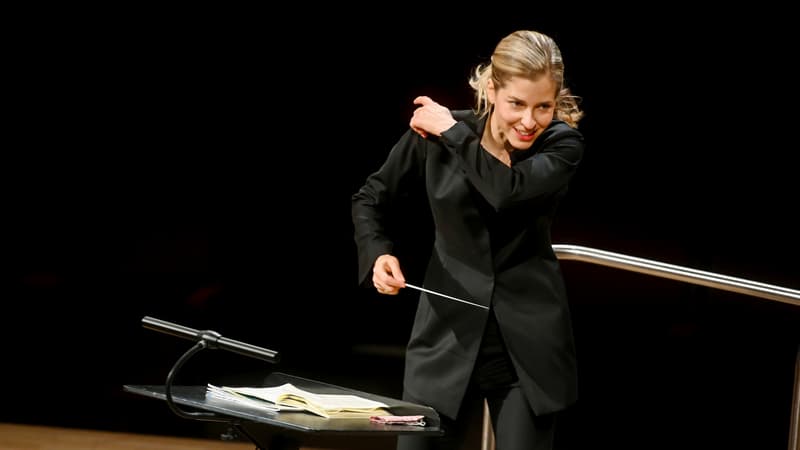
x: 289, y: 430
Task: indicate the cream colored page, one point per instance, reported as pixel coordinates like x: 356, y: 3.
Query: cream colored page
x: 329, y: 402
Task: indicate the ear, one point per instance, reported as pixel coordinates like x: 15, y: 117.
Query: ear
x: 491, y: 92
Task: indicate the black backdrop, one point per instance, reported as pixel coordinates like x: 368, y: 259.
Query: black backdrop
x: 196, y: 166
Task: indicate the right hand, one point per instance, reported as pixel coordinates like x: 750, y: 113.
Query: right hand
x: 386, y: 275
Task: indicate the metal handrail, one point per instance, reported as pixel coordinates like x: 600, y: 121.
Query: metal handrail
x: 693, y: 276
x: 673, y: 272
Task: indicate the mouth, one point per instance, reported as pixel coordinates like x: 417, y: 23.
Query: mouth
x: 526, y: 135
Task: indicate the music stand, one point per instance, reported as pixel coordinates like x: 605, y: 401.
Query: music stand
x: 275, y: 430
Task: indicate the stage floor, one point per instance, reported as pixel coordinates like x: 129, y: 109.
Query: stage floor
x: 34, y: 437
x: 40, y: 437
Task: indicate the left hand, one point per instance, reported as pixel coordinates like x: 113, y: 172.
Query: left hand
x: 430, y: 117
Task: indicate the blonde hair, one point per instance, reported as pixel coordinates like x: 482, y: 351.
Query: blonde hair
x: 527, y: 54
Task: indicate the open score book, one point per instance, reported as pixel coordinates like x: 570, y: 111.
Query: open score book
x: 325, y: 405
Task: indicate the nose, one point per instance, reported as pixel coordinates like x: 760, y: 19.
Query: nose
x: 527, y: 119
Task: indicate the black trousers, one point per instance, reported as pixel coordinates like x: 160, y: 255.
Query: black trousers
x: 515, y: 425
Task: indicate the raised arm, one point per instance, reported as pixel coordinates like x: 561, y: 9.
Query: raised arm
x: 539, y: 172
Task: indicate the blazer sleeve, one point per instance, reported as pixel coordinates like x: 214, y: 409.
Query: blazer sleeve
x: 544, y: 173
x: 372, y: 203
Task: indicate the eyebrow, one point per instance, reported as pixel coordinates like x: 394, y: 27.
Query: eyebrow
x: 517, y: 99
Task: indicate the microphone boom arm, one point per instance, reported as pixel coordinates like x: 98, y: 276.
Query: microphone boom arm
x: 212, y: 339
x: 203, y: 339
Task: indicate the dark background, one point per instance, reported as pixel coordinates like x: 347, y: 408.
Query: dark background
x: 196, y: 166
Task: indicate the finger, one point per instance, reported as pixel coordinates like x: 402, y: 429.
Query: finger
x: 420, y: 131
x: 387, y: 290
x: 383, y: 281
x: 378, y: 281
x: 397, y: 280
x: 423, y: 100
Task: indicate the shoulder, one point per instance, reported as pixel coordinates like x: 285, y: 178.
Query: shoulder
x: 558, y: 139
x: 464, y: 114
x: 560, y: 136
x: 469, y: 117
x: 467, y: 128
x: 409, y: 148
x: 559, y: 129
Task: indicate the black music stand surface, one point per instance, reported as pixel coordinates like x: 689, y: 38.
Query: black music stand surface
x: 287, y: 430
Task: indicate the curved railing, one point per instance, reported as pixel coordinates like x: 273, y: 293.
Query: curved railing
x: 687, y: 275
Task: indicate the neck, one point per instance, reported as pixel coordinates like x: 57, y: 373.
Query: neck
x: 494, y: 146
x: 492, y: 143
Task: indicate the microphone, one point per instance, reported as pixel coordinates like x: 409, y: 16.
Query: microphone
x: 212, y: 339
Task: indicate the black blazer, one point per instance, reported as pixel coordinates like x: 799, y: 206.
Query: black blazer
x: 491, y: 246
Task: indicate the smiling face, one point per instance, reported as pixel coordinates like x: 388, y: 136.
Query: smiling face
x: 523, y: 108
